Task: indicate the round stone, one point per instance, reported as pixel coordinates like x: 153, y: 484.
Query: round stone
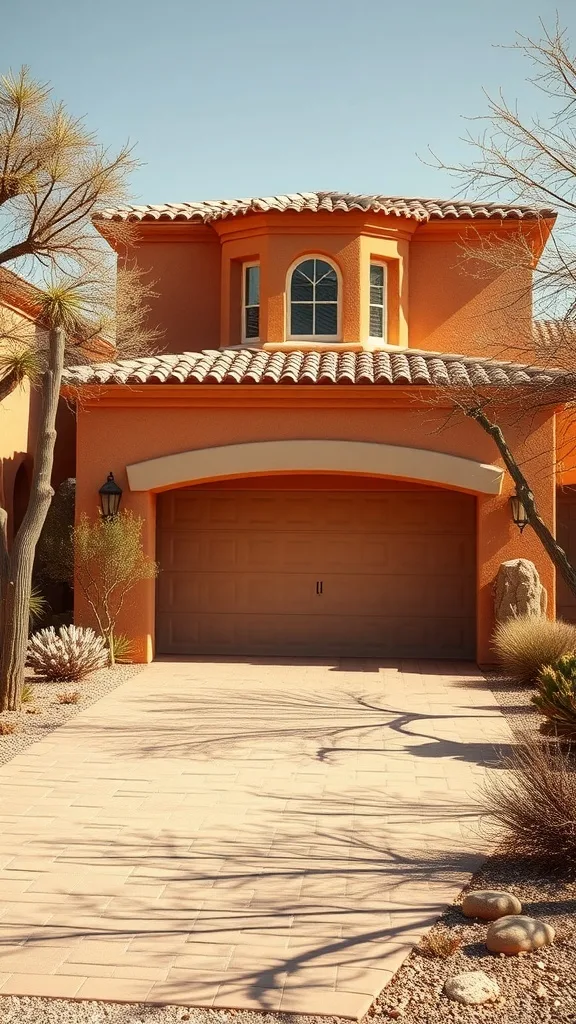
x: 490, y: 904
x: 518, y: 934
x: 471, y: 988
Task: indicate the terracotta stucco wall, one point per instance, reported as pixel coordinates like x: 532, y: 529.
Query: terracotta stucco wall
x: 457, y: 306
x: 185, y: 275
x: 437, y: 300
x: 109, y: 438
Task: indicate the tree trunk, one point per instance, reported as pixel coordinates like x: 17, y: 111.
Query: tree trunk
x: 8, y: 383
x: 21, y: 561
x: 547, y: 539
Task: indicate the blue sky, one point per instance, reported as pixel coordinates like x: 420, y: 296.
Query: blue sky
x: 253, y: 97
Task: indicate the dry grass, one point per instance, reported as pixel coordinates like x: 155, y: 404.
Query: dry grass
x: 68, y: 697
x: 523, y: 646
x: 440, y: 942
x: 531, y: 804
x: 8, y: 728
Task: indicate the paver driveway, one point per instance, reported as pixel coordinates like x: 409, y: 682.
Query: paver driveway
x: 243, y: 834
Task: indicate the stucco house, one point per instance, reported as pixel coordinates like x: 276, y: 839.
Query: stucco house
x: 19, y: 406
x: 303, y: 486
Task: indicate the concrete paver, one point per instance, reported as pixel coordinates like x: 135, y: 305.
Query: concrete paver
x: 269, y: 835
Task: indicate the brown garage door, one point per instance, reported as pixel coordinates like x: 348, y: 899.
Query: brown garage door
x: 566, y: 533
x: 348, y: 573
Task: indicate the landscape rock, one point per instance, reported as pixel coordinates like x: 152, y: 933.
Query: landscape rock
x: 518, y: 590
x: 490, y: 904
x: 471, y: 988
x: 517, y: 933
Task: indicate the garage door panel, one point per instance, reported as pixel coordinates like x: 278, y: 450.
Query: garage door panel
x: 241, y: 635
x: 296, y: 552
x: 362, y: 512
x: 191, y: 593
x: 239, y: 571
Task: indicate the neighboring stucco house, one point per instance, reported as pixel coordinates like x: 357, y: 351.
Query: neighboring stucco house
x: 301, y: 490
x: 19, y: 407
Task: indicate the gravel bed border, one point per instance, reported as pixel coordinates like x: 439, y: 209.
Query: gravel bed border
x: 50, y: 714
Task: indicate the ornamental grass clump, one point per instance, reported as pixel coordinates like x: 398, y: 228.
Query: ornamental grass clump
x: 524, y: 645
x: 68, y: 655
x: 531, y: 803
x: 556, y: 696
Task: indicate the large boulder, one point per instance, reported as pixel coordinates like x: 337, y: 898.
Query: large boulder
x: 490, y: 904
x: 518, y: 934
x: 471, y: 988
x: 518, y: 590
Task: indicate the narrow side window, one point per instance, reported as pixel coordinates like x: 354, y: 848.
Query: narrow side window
x: 251, y: 302
x: 378, y: 301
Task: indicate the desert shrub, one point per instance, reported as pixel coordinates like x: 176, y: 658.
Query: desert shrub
x: 441, y: 943
x: 8, y: 728
x: 68, y: 697
x: 122, y: 648
x: 556, y: 696
x: 109, y: 561
x: 69, y: 654
x: 55, y: 549
x: 531, y: 804
x: 524, y: 645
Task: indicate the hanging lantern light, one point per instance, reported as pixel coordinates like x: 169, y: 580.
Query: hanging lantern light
x: 519, y: 514
x: 110, y: 497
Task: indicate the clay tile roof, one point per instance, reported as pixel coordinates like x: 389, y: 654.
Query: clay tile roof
x: 330, y: 202
x: 255, y: 366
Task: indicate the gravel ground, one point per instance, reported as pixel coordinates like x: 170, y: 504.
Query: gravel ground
x: 45, y: 713
x: 536, y: 988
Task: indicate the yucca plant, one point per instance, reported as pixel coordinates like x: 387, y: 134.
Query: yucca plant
x: 524, y: 645
x: 122, y: 648
x: 37, y: 605
x: 28, y: 695
x: 556, y: 697
x: 68, y: 655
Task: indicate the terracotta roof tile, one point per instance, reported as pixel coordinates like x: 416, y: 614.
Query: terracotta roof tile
x: 255, y: 366
x: 330, y: 202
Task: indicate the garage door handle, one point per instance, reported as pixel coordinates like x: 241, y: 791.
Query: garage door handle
x: 319, y: 586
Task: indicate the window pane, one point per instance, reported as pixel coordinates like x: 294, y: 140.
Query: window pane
x: 327, y: 285
x: 376, y: 322
x: 377, y: 275
x: 252, y: 286
x: 302, y: 289
x: 302, y: 318
x: 252, y: 322
x: 326, y: 319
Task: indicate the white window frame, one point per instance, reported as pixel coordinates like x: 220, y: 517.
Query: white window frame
x: 313, y: 337
x: 245, y: 267
x: 384, y: 338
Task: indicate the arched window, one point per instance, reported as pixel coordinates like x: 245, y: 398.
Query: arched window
x: 314, y: 309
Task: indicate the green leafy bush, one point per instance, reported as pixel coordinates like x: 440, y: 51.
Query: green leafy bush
x: 556, y: 697
x: 524, y: 645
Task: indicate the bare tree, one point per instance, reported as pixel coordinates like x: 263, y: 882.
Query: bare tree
x: 530, y: 161
x: 53, y: 178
